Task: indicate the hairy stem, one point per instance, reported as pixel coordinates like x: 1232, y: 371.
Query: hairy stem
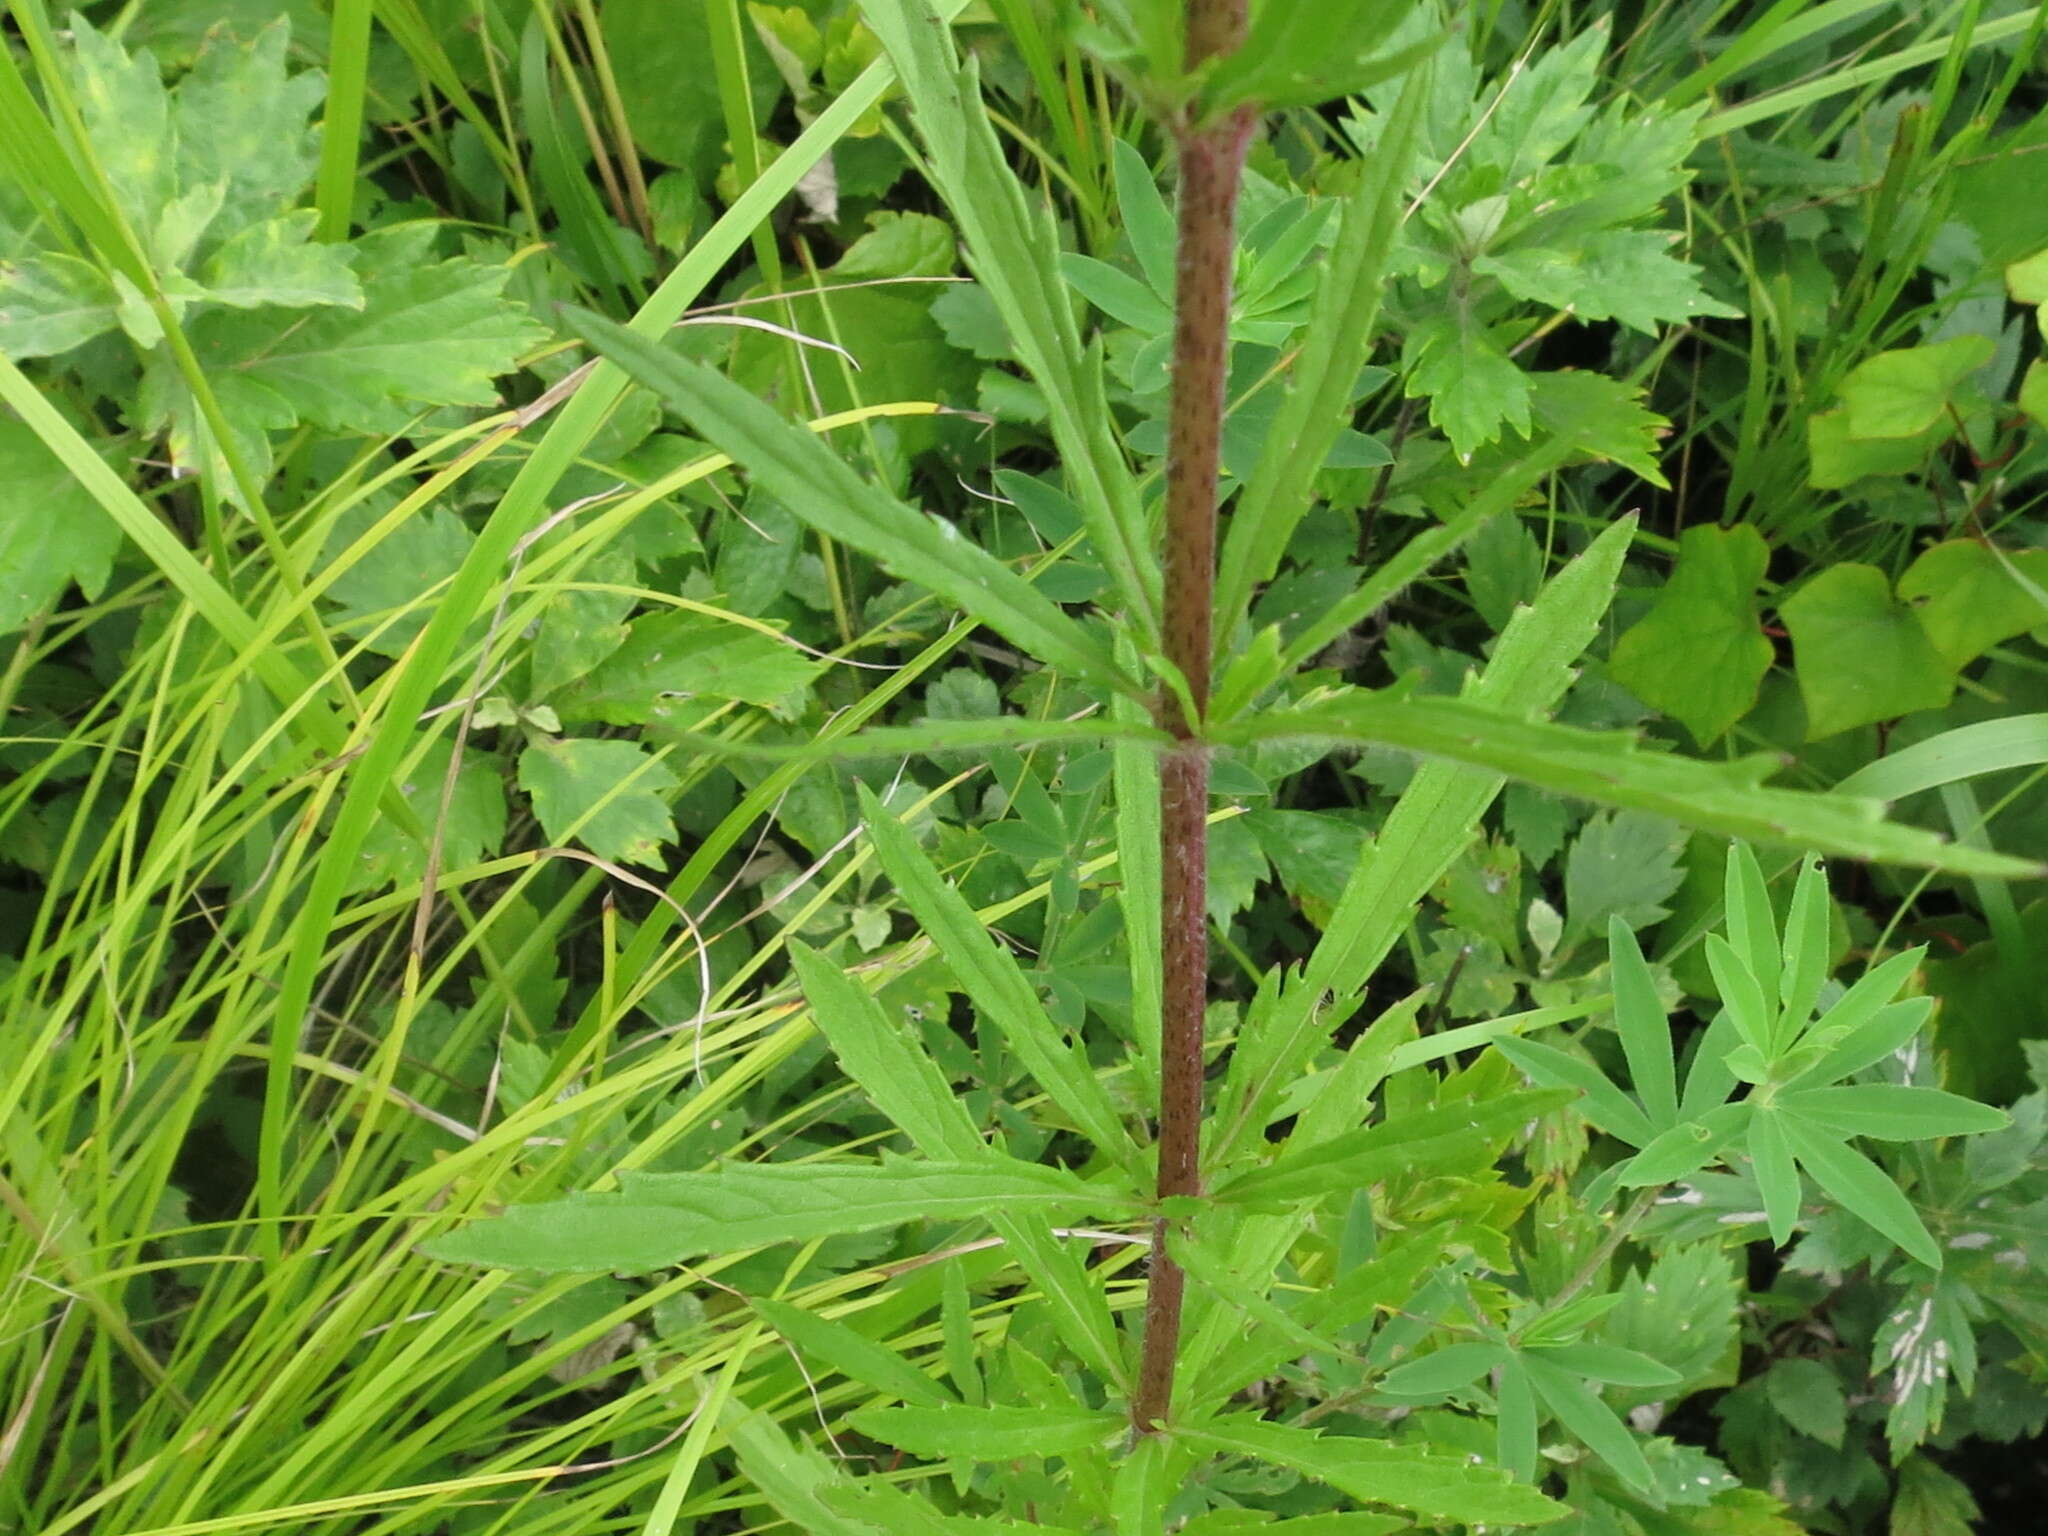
x: 1211, y: 169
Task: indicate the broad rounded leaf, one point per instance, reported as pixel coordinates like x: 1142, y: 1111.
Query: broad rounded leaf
x: 1861, y: 655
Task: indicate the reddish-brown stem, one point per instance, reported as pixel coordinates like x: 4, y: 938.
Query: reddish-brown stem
x: 1211, y: 169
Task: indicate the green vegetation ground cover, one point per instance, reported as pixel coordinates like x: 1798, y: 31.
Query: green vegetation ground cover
x: 581, y: 903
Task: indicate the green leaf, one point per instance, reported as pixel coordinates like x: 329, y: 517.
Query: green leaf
x: 1321, y: 389
x: 1473, y: 387
x: 1611, y: 1364
x: 993, y: 979
x: 1893, y: 1111
x: 1770, y: 1155
x: 1861, y: 656
x: 1902, y: 393
x: 1601, y: 419
x: 1627, y: 275
x: 607, y: 795
x: 1445, y: 1488
x: 1013, y: 248
x: 1836, y: 458
x: 854, y: 1354
x: 1603, y: 1104
x: 1722, y: 797
x: 1148, y: 221
x: 1117, y: 294
x: 2033, y: 395
x: 277, y: 262
x: 1752, y: 935
x: 1968, y: 596
x: 67, y: 539
x: 1299, y: 57
x: 1580, y: 1410
x: 1438, y: 1138
x: 1683, y: 1311
x: 1862, y: 1188
x: 886, y: 1059
x: 1700, y: 654
x: 52, y: 302
x: 472, y: 830
x: 1621, y: 866
x: 796, y: 1480
x: 429, y: 333
x: 1443, y: 1370
x: 1687, y: 1147
x: 1931, y: 1502
x: 387, y: 596
x: 662, y: 1219
x: 989, y: 1434
x: 1640, y: 1021
x: 821, y: 488
x: 1810, y: 1397
x: 1805, y: 968
x: 682, y: 654
x: 2015, y: 741
x: 243, y: 123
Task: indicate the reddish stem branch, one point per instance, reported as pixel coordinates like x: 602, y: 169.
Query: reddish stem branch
x: 1211, y: 170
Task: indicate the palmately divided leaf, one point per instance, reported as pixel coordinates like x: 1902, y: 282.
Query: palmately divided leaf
x: 608, y: 795
x: 52, y: 303
x: 68, y: 539
x: 429, y: 333
x: 682, y: 654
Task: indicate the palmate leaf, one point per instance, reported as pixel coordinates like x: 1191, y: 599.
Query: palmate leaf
x: 607, y: 795
x: 429, y: 333
x: 1612, y: 768
x: 68, y: 539
x: 814, y: 483
x: 661, y: 1219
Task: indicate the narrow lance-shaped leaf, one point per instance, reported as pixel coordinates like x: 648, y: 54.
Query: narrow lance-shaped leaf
x: 1862, y: 1187
x: 997, y: 985
x: 1605, y: 1105
x: 1336, y: 344
x: 660, y: 1219
x: 1433, y: 820
x: 1893, y: 1111
x: 857, y: 1356
x: 895, y: 1070
x: 907, y: 1086
x: 1777, y: 1178
x: 1640, y: 1021
x: 1597, y: 1426
x: 1438, y: 1487
x: 1013, y: 249
x: 1611, y: 768
x: 988, y: 1434
x: 814, y: 483
x: 1425, y: 1137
